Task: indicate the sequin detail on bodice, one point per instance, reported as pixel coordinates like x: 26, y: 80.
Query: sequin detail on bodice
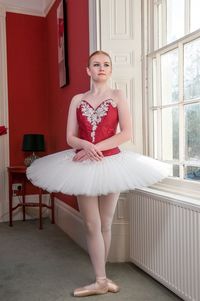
x: 98, y: 124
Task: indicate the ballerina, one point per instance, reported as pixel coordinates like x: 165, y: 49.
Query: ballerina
x: 95, y: 169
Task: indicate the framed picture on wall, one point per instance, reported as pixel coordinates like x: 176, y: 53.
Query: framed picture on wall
x: 62, y: 44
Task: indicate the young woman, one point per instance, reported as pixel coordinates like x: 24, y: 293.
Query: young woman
x: 95, y: 169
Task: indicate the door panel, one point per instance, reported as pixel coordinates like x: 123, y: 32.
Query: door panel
x: 120, y: 35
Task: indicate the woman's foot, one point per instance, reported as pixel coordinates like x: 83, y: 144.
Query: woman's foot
x: 97, y: 288
x: 112, y: 286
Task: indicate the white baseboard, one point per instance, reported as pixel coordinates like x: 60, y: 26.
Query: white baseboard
x: 119, y: 250
x: 70, y: 221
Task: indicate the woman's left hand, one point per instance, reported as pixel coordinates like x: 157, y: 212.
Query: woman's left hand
x: 80, y: 156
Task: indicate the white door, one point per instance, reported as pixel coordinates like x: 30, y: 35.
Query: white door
x: 4, y: 140
x: 115, y: 27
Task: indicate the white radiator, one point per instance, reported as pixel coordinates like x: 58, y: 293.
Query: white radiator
x: 165, y: 242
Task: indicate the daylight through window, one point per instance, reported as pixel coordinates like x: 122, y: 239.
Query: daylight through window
x: 174, y: 75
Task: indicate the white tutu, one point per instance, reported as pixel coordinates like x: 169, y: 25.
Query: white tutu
x: 121, y: 172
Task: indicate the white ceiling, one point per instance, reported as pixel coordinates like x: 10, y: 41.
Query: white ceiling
x: 31, y: 7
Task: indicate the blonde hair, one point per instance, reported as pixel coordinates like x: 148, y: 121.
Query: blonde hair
x: 99, y: 52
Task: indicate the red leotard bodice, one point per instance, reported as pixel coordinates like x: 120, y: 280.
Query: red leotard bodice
x: 98, y: 124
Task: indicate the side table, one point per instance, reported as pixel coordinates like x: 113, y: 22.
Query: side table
x: 21, y: 170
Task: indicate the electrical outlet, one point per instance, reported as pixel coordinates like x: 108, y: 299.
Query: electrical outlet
x: 17, y: 186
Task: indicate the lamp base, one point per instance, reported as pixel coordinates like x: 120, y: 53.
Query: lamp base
x: 30, y: 159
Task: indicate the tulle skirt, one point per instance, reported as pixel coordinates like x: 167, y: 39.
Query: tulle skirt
x: 121, y: 172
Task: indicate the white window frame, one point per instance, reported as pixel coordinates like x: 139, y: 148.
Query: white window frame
x: 174, y: 185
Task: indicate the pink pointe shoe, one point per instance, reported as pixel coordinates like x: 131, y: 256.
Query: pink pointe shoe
x: 97, y: 288
x: 112, y: 286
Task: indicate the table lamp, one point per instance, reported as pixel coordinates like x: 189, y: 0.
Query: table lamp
x: 32, y: 143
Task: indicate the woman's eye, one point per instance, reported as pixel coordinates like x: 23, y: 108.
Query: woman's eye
x: 96, y: 65
x: 107, y: 65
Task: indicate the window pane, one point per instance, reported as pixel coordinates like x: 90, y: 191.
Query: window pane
x: 192, y: 173
x: 170, y: 133
x: 169, y: 77
x: 175, y: 20
x: 176, y: 172
x: 192, y: 70
x: 194, y: 18
x: 154, y: 83
x: 192, y: 132
x: 155, y: 126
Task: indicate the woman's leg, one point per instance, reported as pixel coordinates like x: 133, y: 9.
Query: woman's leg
x: 107, y: 205
x: 89, y: 209
x: 97, y: 214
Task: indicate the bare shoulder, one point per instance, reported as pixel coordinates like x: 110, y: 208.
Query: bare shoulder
x: 118, y: 96
x: 76, y: 99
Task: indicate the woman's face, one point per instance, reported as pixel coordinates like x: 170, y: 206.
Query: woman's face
x: 100, y: 67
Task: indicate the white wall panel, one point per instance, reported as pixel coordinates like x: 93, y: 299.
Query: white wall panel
x: 121, y: 20
x: 115, y: 27
x: 120, y: 35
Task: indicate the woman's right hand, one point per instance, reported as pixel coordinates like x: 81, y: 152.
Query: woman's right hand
x: 92, y: 151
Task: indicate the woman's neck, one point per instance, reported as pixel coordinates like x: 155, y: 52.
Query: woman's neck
x: 100, y: 89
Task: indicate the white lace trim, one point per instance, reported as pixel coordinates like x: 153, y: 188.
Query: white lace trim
x: 94, y: 116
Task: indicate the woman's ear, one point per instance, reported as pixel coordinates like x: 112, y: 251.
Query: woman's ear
x: 88, y: 71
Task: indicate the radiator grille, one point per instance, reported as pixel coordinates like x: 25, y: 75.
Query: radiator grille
x: 165, y: 242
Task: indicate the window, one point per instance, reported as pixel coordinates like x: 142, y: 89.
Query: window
x: 174, y: 78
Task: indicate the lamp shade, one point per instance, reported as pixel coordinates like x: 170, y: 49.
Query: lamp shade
x: 33, y: 143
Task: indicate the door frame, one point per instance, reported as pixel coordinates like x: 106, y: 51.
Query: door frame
x: 4, y: 140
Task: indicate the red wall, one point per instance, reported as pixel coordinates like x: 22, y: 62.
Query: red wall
x: 78, y: 49
x: 27, y: 80
x: 36, y: 103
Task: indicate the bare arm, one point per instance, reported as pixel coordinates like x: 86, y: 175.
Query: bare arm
x: 125, y: 126
x: 72, y: 124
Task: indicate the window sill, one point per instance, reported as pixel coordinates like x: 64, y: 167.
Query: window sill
x: 176, y: 190
x: 185, y: 188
